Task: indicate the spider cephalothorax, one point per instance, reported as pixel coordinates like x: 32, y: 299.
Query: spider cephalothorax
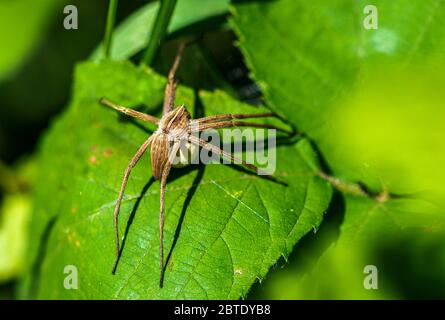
x: 176, y: 129
x: 173, y: 127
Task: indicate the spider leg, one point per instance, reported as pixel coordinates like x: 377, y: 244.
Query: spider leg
x: 130, y: 166
x: 204, y: 144
x: 129, y: 112
x: 228, y: 124
x: 170, y: 89
x: 165, y: 173
x: 223, y: 117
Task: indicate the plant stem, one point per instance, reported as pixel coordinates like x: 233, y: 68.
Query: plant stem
x: 159, y: 30
x: 111, y: 18
x: 343, y: 186
x: 355, y: 189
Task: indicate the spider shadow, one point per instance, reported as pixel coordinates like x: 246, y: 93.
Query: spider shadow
x: 196, y: 182
x: 190, y: 193
x: 42, y: 250
x: 176, y: 174
x: 132, y: 215
x: 263, y: 145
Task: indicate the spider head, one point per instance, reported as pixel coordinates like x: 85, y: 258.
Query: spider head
x: 175, y: 120
x: 173, y: 126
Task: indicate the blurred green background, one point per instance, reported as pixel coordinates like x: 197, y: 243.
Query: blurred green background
x: 391, y: 121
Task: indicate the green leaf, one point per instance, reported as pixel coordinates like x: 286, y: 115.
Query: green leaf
x: 228, y: 226
x: 402, y: 238
x: 368, y: 220
x: 132, y: 35
x: 370, y: 99
x: 298, y: 58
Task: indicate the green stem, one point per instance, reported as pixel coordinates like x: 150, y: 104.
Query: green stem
x: 354, y: 188
x: 343, y: 186
x: 159, y: 30
x: 111, y: 18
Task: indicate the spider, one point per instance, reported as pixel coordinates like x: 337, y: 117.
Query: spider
x: 175, y: 126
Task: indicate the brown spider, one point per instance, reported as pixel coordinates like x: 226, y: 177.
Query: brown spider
x: 175, y: 126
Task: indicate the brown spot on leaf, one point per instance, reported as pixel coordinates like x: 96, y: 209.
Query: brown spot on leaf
x: 93, y: 160
x: 107, y: 152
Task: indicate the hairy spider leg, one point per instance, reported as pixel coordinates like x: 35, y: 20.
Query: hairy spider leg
x: 129, y: 112
x: 210, y: 147
x: 170, y: 89
x: 222, y: 117
x: 165, y: 173
x: 127, y: 172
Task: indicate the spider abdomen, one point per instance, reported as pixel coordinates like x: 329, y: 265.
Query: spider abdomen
x: 159, y: 154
